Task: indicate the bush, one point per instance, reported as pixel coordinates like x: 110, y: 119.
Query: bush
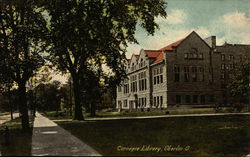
x: 218, y: 107
x: 238, y: 107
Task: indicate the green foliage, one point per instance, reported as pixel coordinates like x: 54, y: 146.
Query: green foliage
x: 22, y: 29
x: 22, y: 32
x: 239, y: 80
x: 87, y: 34
x: 48, y: 96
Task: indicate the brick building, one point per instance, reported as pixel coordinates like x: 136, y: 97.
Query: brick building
x: 185, y: 73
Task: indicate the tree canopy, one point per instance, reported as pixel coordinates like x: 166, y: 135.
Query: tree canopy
x: 89, y: 33
x: 22, y: 32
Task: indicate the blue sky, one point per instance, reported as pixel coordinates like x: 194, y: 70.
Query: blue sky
x: 228, y: 20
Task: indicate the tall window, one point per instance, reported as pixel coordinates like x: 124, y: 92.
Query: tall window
x: 195, y: 98
x: 202, y: 99
x: 125, y: 103
x: 178, y: 99
x: 211, y: 98
x: 231, y: 57
x: 201, y: 74
x: 158, y: 75
x: 194, y: 74
x: 188, y: 99
x: 223, y: 57
x: 158, y: 101
x: 142, y: 81
x: 222, y: 66
x: 133, y: 83
x: 161, y: 100
x: 222, y: 76
x: 119, y: 88
x: 186, y: 74
x: 176, y: 73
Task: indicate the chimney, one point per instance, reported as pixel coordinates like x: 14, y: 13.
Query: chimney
x: 211, y: 41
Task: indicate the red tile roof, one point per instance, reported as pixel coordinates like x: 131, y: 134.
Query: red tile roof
x: 170, y: 47
x: 159, y: 58
x: 155, y: 54
x: 152, y: 53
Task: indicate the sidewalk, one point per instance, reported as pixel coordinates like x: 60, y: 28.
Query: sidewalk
x: 6, y: 118
x: 49, y: 139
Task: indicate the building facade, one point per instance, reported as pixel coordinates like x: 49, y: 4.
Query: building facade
x: 186, y: 73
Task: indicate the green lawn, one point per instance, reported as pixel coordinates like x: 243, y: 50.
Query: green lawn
x: 105, y: 114
x: 200, y: 136
x: 20, y: 142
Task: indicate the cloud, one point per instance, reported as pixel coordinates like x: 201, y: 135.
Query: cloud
x: 176, y: 16
x: 202, y: 31
x: 233, y: 28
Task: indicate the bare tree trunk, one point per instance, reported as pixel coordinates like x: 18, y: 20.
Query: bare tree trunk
x: 23, y: 106
x: 93, y: 110
x: 78, y: 108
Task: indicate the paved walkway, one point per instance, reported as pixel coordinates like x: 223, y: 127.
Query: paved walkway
x: 51, y: 140
x: 5, y: 118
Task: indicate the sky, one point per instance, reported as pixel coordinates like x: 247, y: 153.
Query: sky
x: 228, y: 20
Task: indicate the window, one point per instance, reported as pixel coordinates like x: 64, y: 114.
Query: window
x: 142, y: 102
x: 119, y: 104
x: 142, y: 81
x: 125, y: 103
x: 231, y: 57
x: 222, y: 66
x: 154, y: 101
x: 202, y: 99
x: 161, y: 100
x: 186, y: 74
x: 222, y: 76
x: 176, y: 73
x: 178, y: 99
x: 231, y: 66
x: 133, y: 83
x: 119, y: 88
x: 194, y: 74
x: 186, y: 55
x: 201, y: 56
x: 158, y: 76
x: 188, y: 99
x: 195, y: 55
x: 211, y: 98
x: 158, y: 101
x: 195, y: 98
x: 222, y: 57
x: 201, y: 74
x: 126, y: 87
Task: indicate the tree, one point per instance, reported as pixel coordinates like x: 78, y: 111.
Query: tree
x: 239, y: 86
x: 22, y: 29
x: 96, y: 32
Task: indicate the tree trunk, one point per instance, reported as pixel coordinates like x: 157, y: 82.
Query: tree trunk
x: 23, y: 106
x: 93, y: 110
x: 78, y: 108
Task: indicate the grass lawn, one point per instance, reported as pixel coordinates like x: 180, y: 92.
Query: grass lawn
x: 20, y: 142
x: 194, y: 136
x: 103, y: 113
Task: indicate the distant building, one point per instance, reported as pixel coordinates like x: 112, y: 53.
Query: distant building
x: 189, y: 72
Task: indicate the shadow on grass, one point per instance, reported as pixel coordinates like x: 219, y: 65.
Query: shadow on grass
x: 20, y: 142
